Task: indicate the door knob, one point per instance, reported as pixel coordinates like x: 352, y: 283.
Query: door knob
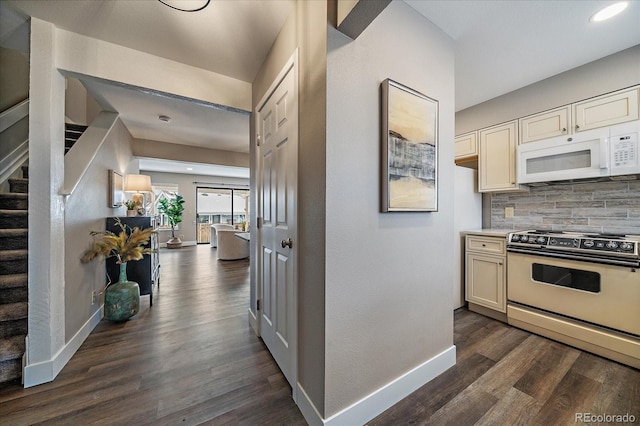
x: 285, y: 243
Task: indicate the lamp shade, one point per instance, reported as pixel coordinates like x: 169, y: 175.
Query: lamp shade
x: 137, y: 183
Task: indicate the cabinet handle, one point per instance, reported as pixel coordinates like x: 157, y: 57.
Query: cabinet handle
x: 500, y: 263
x: 484, y: 245
x: 564, y: 130
x: 577, y: 127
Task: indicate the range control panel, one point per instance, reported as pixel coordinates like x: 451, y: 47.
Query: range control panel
x: 586, y: 243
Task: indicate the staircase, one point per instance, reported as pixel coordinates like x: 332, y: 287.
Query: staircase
x: 13, y: 276
x: 72, y: 133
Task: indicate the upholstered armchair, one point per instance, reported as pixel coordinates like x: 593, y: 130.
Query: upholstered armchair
x: 214, y: 231
x: 231, y: 247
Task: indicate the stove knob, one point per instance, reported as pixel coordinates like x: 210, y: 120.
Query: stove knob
x: 524, y: 238
x: 626, y: 246
x: 553, y: 242
x: 515, y: 238
x: 612, y: 245
x: 540, y: 240
x: 588, y: 243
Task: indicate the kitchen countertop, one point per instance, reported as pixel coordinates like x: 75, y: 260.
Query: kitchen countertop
x: 489, y: 232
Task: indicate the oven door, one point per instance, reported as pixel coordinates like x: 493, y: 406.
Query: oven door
x: 605, y: 295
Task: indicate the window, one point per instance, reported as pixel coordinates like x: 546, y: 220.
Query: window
x: 217, y: 205
x: 161, y: 191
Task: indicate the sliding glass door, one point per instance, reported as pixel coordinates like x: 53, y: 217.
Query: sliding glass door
x: 220, y: 205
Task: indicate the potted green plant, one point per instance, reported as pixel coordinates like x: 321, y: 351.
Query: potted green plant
x: 131, y: 208
x: 173, y: 208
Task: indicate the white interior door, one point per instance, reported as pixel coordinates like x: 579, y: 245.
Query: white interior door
x: 277, y: 125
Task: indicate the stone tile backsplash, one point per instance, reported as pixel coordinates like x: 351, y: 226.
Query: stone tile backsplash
x: 609, y: 207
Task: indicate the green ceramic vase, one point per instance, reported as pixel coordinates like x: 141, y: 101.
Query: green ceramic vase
x: 121, y: 299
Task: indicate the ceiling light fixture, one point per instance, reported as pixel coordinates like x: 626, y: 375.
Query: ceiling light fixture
x: 189, y: 168
x: 186, y: 5
x: 609, y: 11
x: 164, y: 118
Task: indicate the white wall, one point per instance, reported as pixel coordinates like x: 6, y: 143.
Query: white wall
x: 467, y: 215
x: 187, y: 188
x: 389, y: 276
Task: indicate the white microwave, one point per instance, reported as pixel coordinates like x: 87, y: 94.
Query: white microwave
x: 605, y: 152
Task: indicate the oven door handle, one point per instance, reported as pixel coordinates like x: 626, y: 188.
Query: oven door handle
x: 627, y: 263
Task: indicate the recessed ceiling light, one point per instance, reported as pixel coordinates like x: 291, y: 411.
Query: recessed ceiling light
x: 164, y: 118
x: 189, y: 168
x: 609, y: 11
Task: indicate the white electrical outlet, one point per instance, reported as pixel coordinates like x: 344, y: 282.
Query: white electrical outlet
x: 509, y: 212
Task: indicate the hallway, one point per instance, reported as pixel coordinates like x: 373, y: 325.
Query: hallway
x: 191, y: 358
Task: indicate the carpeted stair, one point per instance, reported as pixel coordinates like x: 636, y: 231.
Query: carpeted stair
x: 14, y: 292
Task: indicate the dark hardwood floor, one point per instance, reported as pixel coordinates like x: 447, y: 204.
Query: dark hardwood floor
x: 193, y: 359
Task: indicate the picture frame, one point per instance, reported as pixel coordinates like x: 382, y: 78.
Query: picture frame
x: 116, y: 189
x: 409, y: 150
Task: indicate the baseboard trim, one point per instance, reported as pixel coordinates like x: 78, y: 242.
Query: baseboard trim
x: 385, y: 397
x: 46, y: 371
x: 253, y: 322
x: 184, y: 244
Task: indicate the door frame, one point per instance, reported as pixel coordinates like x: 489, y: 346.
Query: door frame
x: 293, y: 66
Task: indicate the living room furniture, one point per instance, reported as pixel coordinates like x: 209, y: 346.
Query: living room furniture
x: 231, y: 247
x: 146, y: 272
x: 214, y: 231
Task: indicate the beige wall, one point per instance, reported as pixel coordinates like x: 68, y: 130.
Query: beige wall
x: 85, y: 55
x: 611, y: 73
x: 173, y: 151
x: 14, y: 77
x: 85, y: 211
x: 389, y: 276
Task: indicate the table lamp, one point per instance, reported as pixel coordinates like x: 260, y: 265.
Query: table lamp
x: 137, y: 184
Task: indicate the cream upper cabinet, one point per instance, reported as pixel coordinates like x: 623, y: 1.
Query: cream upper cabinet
x: 485, y: 272
x: 497, y: 158
x: 606, y: 110
x: 466, y: 145
x: 548, y: 124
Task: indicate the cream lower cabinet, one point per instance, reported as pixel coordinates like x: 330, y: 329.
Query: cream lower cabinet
x: 497, y: 158
x: 486, y: 272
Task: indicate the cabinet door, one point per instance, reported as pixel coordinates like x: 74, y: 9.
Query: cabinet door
x: 606, y: 110
x: 466, y: 145
x: 486, y: 281
x: 497, y: 158
x: 545, y: 125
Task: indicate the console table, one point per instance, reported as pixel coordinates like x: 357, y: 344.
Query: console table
x: 146, y: 271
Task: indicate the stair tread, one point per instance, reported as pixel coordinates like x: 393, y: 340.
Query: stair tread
x: 13, y: 254
x: 14, y: 311
x: 10, y: 370
x: 14, y: 195
x: 13, y: 232
x: 12, y: 347
x: 13, y: 281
